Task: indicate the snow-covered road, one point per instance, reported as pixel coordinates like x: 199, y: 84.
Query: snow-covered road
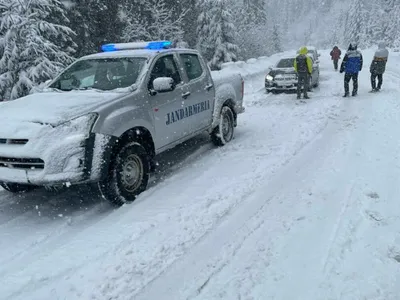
x: 301, y: 205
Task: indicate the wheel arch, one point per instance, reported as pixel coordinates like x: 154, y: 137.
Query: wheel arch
x: 217, y: 114
x: 138, y: 134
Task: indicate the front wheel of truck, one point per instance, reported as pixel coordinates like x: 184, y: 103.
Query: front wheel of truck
x: 16, y: 188
x: 223, y: 133
x: 128, y: 174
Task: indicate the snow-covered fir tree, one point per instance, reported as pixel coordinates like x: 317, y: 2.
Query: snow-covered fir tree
x: 276, y: 38
x: 203, y: 29
x: 254, y: 12
x: 33, y: 46
x: 253, y: 34
x: 156, y: 21
x: 357, y: 25
x: 95, y: 22
x: 392, y: 24
x: 221, y: 34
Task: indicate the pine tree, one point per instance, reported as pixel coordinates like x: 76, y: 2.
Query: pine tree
x: 96, y: 22
x: 31, y: 45
x: 375, y: 30
x: 222, y: 34
x: 276, y: 38
x: 254, y: 12
x: 391, y: 28
x: 253, y: 32
x: 357, y: 26
x: 189, y: 10
x: 203, y: 29
x: 155, y: 22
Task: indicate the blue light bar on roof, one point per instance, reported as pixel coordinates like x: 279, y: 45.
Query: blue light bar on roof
x: 159, y: 45
x: 154, y: 45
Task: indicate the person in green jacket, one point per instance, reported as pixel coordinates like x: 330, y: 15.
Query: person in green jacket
x: 303, y: 66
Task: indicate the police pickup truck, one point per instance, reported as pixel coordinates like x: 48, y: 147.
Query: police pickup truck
x: 104, y: 119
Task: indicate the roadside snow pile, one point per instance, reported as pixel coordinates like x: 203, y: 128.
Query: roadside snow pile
x: 252, y: 67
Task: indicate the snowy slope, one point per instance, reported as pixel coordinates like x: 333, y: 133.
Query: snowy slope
x: 301, y: 205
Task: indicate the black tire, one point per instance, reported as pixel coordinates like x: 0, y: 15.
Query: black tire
x: 17, y: 188
x: 310, y: 85
x: 131, y: 160
x: 223, y: 133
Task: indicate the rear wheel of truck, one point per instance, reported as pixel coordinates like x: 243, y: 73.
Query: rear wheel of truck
x: 17, y: 187
x: 128, y: 174
x: 223, y: 133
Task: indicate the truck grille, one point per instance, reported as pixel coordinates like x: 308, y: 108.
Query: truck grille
x: 21, y: 163
x: 14, y: 141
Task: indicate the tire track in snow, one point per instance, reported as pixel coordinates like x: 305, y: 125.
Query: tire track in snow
x: 156, y: 287
x: 242, y: 194
x: 335, y: 232
x: 199, y: 256
x: 357, y: 220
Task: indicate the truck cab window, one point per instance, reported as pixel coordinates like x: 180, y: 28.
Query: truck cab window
x: 192, y: 66
x: 165, y: 67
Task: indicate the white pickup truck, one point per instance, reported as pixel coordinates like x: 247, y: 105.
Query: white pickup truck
x: 106, y: 116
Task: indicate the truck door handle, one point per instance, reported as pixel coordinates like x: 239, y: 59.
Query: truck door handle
x: 209, y: 87
x: 185, y: 95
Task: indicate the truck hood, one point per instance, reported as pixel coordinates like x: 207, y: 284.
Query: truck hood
x: 53, y: 107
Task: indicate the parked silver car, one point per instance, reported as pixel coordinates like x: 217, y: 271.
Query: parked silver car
x: 106, y: 116
x: 283, y: 78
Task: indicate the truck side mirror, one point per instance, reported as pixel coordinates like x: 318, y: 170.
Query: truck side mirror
x: 163, y: 84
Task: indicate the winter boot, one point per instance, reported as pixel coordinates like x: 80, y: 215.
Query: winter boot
x: 354, y: 93
x: 346, y: 95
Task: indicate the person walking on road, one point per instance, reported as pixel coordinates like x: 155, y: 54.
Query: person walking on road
x: 378, y: 67
x: 335, y: 56
x: 352, y: 64
x: 303, y: 66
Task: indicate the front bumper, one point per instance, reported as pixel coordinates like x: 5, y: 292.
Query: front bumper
x: 280, y: 85
x: 47, y: 156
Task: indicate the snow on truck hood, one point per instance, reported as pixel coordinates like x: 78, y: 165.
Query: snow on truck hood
x: 53, y: 107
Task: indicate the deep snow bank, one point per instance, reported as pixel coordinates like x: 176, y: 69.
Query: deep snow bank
x: 252, y: 66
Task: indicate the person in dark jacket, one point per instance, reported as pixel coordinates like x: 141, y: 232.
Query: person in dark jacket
x: 335, y: 56
x: 378, y: 66
x: 352, y: 64
x: 303, y: 66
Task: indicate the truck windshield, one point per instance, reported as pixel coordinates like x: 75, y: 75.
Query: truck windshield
x: 102, y: 74
x: 285, y: 63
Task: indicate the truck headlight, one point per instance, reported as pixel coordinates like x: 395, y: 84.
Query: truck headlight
x: 269, y: 78
x: 81, y: 126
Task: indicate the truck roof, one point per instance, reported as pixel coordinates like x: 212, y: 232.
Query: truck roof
x: 135, y: 53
